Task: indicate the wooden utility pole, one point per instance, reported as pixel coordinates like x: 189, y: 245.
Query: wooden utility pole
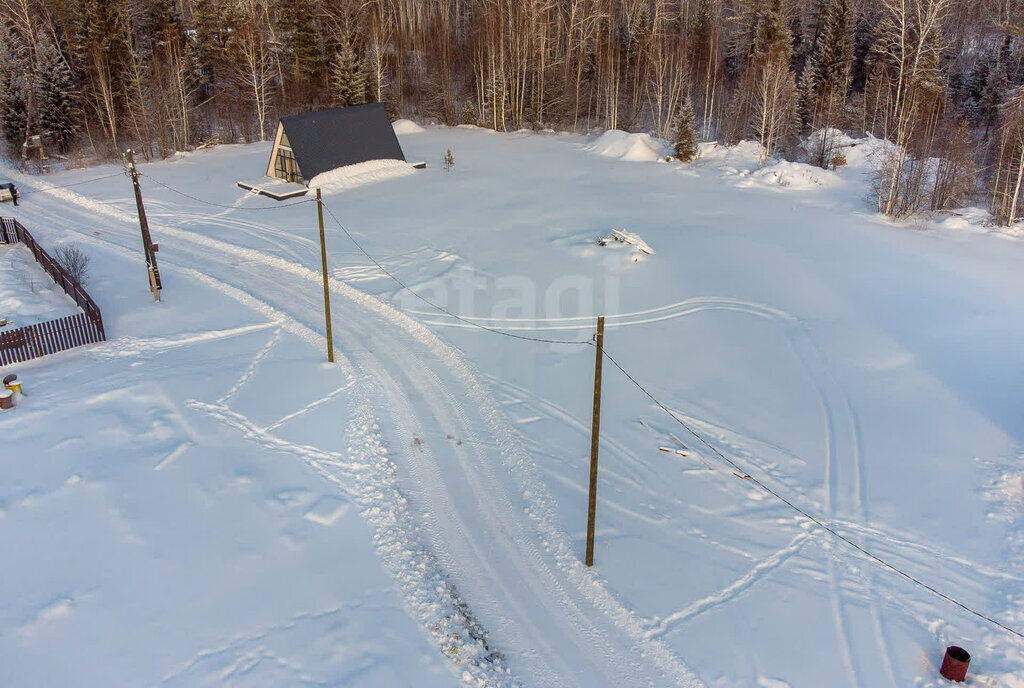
x: 595, y: 433
x: 147, y: 241
x: 327, y: 289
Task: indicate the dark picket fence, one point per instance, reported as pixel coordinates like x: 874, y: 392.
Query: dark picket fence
x: 8, y: 230
x: 33, y: 341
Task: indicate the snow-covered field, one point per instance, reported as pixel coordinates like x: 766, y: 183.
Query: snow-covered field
x: 27, y: 294
x: 203, y: 500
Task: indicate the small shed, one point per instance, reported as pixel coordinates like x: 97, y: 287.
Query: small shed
x: 309, y: 144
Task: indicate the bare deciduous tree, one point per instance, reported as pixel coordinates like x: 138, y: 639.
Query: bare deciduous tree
x: 252, y: 57
x: 1010, y: 167
x: 73, y: 259
x: 908, y: 58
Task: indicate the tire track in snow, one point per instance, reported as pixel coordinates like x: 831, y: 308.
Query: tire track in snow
x: 680, y: 309
x: 524, y: 564
x: 848, y: 494
x: 434, y: 602
x: 587, y: 590
x: 836, y: 467
x: 831, y: 480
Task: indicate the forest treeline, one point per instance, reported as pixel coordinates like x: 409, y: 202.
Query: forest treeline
x: 938, y: 79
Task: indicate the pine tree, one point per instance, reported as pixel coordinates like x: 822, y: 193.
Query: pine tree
x: 742, y: 47
x: 348, y: 77
x: 209, y: 21
x: 826, y: 81
x: 772, y: 38
x: 686, y: 133
x: 990, y: 94
x: 151, y: 22
x: 469, y: 114
x: 301, y: 38
x: 103, y: 52
x: 863, y: 39
x: 57, y: 97
x: 830, y: 70
x: 13, y: 92
x: 449, y: 160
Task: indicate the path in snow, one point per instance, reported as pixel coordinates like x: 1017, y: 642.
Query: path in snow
x: 853, y: 392
x: 495, y: 540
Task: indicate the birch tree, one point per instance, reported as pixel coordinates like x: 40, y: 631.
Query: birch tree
x: 1006, y: 187
x: 252, y: 57
x: 907, y: 74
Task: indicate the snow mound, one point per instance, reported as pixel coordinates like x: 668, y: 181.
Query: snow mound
x: 793, y: 175
x: 742, y: 163
x: 618, y: 248
x: 975, y: 219
x: 626, y: 146
x: 360, y: 174
x: 406, y: 126
x: 737, y: 159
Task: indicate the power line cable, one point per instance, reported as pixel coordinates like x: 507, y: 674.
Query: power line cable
x: 365, y: 253
x: 440, y: 308
x: 742, y: 472
x: 66, y: 186
x: 221, y: 205
x: 745, y: 475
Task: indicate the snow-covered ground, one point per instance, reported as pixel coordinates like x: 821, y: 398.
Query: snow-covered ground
x: 27, y: 294
x: 202, y: 500
x: 361, y: 174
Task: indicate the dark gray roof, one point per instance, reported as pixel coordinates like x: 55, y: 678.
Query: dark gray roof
x: 322, y: 141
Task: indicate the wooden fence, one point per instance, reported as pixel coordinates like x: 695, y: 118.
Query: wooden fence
x: 8, y: 230
x: 33, y: 341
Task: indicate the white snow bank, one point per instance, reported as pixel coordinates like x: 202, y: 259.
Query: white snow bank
x: 740, y: 158
x: 27, y: 294
x: 626, y: 146
x: 794, y: 175
x: 743, y: 159
x: 360, y: 174
x: 406, y: 126
x: 1012, y: 487
x: 976, y: 219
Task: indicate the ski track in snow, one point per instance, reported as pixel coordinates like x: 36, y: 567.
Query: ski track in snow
x: 843, y: 459
x: 842, y: 449
x: 671, y: 311
x: 660, y: 627
x: 553, y: 581
x: 237, y: 387
x: 426, y: 560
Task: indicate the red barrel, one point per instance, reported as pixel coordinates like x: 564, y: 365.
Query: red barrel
x: 954, y: 664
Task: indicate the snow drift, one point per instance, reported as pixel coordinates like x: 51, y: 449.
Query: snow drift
x: 406, y: 126
x: 360, y: 174
x: 626, y: 146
